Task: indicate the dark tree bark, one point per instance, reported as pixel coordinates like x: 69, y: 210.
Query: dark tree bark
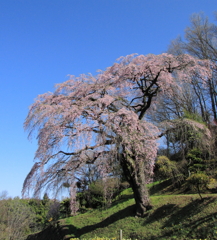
x: 135, y: 175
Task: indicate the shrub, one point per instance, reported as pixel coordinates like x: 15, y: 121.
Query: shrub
x: 198, y: 181
x: 167, y: 169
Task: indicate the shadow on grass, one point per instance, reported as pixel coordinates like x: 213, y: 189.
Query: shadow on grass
x: 65, y: 231
x: 160, y: 187
x: 171, y: 215
x: 51, y: 233
x: 127, y: 212
x: 202, y: 228
x: 179, y: 219
x: 205, y: 227
x: 189, y: 210
x: 160, y: 213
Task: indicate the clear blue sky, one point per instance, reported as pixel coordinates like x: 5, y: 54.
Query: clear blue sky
x: 42, y: 41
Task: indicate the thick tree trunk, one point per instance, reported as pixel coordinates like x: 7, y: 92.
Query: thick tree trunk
x: 135, y: 175
x: 141, y: 197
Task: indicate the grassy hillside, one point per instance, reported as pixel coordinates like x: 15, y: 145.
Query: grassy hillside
x: 183, y: 216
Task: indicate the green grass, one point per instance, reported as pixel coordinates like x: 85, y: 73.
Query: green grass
x: 182, y: 216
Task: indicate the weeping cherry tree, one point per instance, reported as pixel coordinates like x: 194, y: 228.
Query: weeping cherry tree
x: 102, y: 120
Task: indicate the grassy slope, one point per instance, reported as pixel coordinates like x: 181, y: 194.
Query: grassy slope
x: 172, y: 217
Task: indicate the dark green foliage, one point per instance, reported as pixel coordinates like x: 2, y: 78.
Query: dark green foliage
x: 197, y: 167
x: 41, y: 212
x: 65, y: 210
x: 54, y: 210
x: 197, y: 161
x: 195, y: 155
x: 45, y: 200
x: 46, y: 210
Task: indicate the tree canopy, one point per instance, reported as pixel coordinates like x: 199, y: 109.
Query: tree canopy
x: 103, y: 120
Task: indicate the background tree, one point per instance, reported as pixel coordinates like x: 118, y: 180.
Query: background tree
x: 197, y: 100
x: 102, y: 120
x: 201, y: 41
x: 16, y: 219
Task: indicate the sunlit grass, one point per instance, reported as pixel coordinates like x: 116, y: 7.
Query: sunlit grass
x: 183, y: 216
x: 172, y: 217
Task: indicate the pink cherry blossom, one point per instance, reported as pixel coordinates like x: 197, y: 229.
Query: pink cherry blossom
x: 106, y: 115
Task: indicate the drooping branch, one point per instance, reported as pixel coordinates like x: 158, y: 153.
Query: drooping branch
x: 93, y: 120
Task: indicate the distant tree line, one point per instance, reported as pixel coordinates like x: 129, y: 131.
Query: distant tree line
x: 21, y: 217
